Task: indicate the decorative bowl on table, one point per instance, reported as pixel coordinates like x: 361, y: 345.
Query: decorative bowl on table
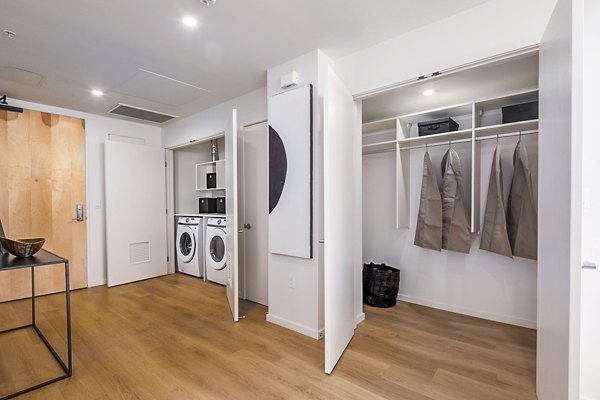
x: 22, y: 247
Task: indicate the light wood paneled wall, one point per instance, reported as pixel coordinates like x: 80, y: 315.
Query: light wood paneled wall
x: 42, y: 179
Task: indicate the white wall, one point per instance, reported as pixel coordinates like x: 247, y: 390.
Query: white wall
x: 97, y: 129
x: 252, y: 108
x: 301, y: 308
x: 481, y: 284
x: 590, y: 280
x: 492, y: 28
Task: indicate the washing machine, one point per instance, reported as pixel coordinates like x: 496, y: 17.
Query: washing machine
x: 216, y: 252
x: 190, y: 246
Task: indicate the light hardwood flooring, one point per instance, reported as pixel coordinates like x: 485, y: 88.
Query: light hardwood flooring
x: 172, y: 338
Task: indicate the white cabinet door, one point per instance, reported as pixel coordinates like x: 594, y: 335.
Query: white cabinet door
x: 342, y: 194
x: 231, y: 205
x: 136, y: 221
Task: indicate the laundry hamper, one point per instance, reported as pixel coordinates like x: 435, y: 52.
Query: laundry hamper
x: 381, y: 284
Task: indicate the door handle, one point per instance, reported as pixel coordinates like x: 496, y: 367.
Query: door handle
x: 588, y: 265
x: 247, y: 226
x: 78, y: 213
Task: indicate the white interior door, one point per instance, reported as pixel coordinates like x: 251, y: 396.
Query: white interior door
x: 342, y: 194
x: 559, y: 250
x: 136, y: 230
x: 254, y: 212
x: 231, y: 205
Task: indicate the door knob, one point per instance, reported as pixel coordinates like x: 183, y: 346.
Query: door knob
x: 247, y: 226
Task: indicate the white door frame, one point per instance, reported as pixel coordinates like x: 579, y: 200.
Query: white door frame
x: 170, y: 181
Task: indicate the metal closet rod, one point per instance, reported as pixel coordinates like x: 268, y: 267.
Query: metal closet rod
x: 448, y: 142
x: 451, y: 142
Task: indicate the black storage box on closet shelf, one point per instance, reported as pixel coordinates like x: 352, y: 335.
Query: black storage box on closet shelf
x: 434, y: 127
x: 520, y: 112
x: 220, y: 205
x: 211, y: 180
x: 381, y: 284
x: 207, y: 205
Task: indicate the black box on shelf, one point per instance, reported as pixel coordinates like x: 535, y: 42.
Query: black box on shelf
x: 211, y: 180
x: 434, y: 127
x: 221, y: 205
x: 207, y: 205
x: 520, y: 112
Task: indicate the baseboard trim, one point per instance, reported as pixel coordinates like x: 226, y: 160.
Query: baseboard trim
x: 360, y: 318
x: 313, y: 333
x: 506, y: 319
x: 97, y: 283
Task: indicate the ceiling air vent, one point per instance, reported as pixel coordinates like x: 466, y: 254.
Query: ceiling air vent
x: 139, y: 113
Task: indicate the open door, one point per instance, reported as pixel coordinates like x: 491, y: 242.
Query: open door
x: 342, y: 194
x: 559, y: 249
x: 136, y: 223
x: 231, y: 206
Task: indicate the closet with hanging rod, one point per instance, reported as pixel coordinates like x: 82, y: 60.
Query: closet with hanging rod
x: 472, y: 281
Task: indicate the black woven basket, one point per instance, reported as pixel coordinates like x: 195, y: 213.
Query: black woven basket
x: 381, y: 284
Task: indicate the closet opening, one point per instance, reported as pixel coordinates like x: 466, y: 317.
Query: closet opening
x: 197, y: 193
x: 464, y: 235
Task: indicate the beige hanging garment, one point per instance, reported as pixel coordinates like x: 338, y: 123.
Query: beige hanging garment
x: 494, y: 236
x: 456, y: 231
x: 522, y: 211
x: 429, y: 222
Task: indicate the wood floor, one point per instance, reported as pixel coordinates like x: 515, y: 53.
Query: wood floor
x: 172, y: 338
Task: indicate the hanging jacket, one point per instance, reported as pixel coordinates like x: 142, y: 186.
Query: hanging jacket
x: 522, y: 212
x: 456, y: 230
x: 429, y: 221
x: 494, y: 235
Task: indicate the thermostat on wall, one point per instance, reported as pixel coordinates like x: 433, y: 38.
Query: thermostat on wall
x: 289, y: 80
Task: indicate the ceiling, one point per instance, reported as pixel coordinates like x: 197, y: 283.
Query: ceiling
x: 510, y: 75
x: 139, y: 53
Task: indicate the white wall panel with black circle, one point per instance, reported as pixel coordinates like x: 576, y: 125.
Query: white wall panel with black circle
x: 291, y: 173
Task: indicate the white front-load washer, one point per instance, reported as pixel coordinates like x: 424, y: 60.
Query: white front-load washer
x: 189, y: 246
x: 216, y: 251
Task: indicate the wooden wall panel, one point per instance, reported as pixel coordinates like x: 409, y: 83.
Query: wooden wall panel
x: 42, y: 178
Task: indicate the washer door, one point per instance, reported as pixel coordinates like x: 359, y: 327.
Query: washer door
x: 186, y: 244
x: 215, y: 249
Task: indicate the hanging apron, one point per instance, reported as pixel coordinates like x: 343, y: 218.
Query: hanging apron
x: 494, y: 236
x: 456, y: 230
x: 429, y: 222
x: 522, y: 212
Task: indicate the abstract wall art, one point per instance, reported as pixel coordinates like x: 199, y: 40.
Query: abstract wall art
x: 291, y: 172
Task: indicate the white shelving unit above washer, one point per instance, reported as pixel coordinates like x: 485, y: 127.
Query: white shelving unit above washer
x: 216, y: 167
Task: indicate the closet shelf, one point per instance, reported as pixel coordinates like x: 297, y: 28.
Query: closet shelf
x: 210, y: 190
x: 378, y: 126
x: 507, y: 128
x: 441, y: 137
x: 378, y: 147
x: 210, y: 162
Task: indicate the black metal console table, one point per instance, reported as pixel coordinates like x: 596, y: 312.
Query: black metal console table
x: 41, y: 259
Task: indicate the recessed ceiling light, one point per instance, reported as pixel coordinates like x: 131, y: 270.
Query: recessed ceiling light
x: 428, y: 92
x: 208, y: 2
x: 189, y: 21
x: 97, y: 92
